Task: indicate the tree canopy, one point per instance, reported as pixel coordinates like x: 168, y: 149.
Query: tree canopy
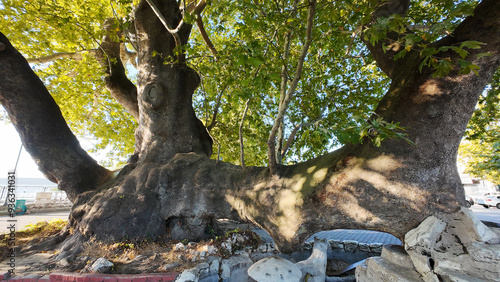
x: 246, y: 52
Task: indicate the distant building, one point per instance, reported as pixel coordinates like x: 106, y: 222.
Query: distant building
x: 475, y: 186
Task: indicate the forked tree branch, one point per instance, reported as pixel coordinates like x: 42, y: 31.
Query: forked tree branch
x: 271, y: 142
x: 173, y: 32
x: 110, y: 56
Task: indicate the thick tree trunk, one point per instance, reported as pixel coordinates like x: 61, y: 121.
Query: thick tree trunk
x: 168, y: 124
x: 174, y: 190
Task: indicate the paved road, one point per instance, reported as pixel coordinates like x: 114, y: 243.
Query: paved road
x: 491, y: 214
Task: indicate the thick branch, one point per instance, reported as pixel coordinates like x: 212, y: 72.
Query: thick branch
x: 385, y: 58
x: 75, y: 56
x: 173, y: 32
x: 42, y: 128
x: 204, y: 35
x: 116, y: 80
x: 271, y: 142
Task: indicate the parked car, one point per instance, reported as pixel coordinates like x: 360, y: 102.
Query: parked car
x: 469, y: 201
x: 489, y: 201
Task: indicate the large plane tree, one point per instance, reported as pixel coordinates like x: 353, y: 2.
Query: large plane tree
x: 275, y: 83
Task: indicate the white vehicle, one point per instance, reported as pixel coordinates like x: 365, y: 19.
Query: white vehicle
x: 489, y: 201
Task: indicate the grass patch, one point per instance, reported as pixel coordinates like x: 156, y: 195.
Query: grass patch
x: 32, y: 233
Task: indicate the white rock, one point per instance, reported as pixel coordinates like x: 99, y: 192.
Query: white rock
x: 272, y: 269
x: 469, y: 228
x: 315, y: 265
x: 101, y: 265
x: 179, y: 247
x: 426, y: 234
x: 226, y: 246
x: 480, y: 251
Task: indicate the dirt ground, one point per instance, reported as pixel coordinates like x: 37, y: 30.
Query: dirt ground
x: 128, y: 258
x: 37, y: 258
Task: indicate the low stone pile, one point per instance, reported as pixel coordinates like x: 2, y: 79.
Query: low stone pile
x: 449, y: 247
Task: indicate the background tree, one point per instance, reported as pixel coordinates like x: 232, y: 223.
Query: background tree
x: 313, y: 75
x: 480, y: 150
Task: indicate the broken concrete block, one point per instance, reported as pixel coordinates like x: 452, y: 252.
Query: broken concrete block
x: 426, y: 234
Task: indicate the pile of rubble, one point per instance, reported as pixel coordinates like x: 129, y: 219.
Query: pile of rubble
x: 450, y: 247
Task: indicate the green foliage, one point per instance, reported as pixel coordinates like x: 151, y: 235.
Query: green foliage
x: 375, y: 129
x: 336, y: 95
x: 41, y: 28
x: 479, y: 152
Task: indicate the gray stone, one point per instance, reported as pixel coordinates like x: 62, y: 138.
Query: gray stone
x: 263, y: 248
x: 235, y: 268
x: 430, y: 277
x: 64, y: 262
x: 381, y: 270
x: 225, y: 271
x: 376, y: 248
x: 188, y: 275
x: 336, y: 244
x: 308, y: 246
x: 364, y: 247
x: 350, y: 246
x: 272, y: 269
x: 101, y: 265
x: 452, y: 275
x: 171, y: 265
x: 361, y: 273
x: 214, y: 264
x: 396, y: 254
x: 420, y: 262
